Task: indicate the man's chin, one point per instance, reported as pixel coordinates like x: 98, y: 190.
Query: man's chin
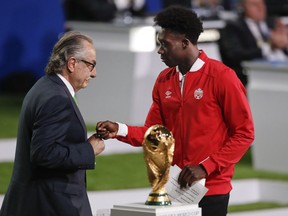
x: 85, y: 85
x: 170, y: 65
x: 167, y: 63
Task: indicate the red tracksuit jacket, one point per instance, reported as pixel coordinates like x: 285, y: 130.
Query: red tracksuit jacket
x: 211, y: 122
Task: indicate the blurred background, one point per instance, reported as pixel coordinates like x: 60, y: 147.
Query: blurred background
x: 30, y: 28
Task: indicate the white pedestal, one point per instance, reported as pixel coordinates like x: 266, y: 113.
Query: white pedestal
x: 267, y: 94
x: 140, y: 209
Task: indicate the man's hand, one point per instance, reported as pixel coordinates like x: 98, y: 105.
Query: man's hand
x: 106, y: 129
x: 97, y: 144
x: 279, y: 35
x: 190, y: 174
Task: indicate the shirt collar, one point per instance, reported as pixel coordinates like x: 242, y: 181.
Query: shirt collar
x: 253, y: 24
x: 68, y: 85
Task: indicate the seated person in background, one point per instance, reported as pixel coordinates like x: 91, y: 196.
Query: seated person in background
x: 252, y: 36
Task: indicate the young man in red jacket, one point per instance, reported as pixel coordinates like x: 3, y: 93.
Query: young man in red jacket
x: 203, y: 103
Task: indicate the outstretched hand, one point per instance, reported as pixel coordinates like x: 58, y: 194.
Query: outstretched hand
x: 106, y: 129
x: 190, y: 174
x: 97, y: 144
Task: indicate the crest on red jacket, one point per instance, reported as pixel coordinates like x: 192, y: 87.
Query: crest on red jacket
x: 198, y: 93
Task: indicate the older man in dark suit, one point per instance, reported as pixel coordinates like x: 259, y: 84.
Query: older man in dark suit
x: 52, y: 150
x: 253, y: 36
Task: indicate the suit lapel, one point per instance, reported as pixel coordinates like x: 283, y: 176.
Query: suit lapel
x: 56, y: 79
x: 250, y: 37
x: 76, y: 109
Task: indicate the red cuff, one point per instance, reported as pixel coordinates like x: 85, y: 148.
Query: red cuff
x: 209, y: 165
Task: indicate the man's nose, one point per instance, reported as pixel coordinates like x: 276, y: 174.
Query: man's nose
x: 93, y: 73
x: 160, y: 50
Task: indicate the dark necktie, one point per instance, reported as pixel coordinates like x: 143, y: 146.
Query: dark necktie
x: 263, y: 34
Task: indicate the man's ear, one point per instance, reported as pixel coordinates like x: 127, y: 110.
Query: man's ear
x: 71, y: 63
x: 185, y: 43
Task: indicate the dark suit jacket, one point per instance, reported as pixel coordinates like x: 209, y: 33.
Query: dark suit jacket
x: 52, y: 155
x: 237, y: 44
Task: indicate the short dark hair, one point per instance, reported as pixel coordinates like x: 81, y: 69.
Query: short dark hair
x: 180, y: 20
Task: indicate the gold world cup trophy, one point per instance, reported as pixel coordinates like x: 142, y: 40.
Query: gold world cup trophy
x: 158, y: 146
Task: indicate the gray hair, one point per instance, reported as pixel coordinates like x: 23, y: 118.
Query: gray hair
x: 70, y: 44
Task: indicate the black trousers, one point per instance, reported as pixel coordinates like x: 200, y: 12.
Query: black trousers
x: 215, y: 205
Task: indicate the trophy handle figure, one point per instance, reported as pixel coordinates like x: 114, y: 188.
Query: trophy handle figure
x: 158, y: 147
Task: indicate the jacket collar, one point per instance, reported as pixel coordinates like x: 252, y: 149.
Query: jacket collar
x: 198, y: 64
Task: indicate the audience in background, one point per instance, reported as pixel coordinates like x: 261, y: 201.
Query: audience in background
x: 134, y: 7
x: 90, y: 10
x: 208, y: 9
x: 229, y: 5
x: 107, y: 10
x: 253, y: 36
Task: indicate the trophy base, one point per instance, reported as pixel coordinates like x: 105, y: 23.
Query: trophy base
x: 158, y: 199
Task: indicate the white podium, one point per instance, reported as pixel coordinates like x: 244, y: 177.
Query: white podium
x: 268, y: 96
x: 140, y: 209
